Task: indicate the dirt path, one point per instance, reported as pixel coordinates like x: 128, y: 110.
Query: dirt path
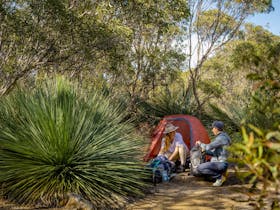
x: 193, y: 193
x: 186, y: 192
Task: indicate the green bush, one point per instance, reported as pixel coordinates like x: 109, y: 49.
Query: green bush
x: 56, y: 140
x: 260, y: 148
x: 168, y: 102
x: 260, y: 152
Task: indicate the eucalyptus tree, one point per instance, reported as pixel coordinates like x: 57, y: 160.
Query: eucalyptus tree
x: 244, y: 66
x: 258, y: 55
x: 213, y: 24
x: 154, y: 58
x: 54, y: 36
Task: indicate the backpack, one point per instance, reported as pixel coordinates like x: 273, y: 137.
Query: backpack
x: 161, y: 169
x: 196, y: 157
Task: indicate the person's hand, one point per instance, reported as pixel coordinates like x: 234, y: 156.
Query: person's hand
x: 172, y: 163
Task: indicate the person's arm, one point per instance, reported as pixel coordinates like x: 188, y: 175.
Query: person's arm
x: 214, y: 144
x: 218, y: 142
x: 174, y: 154
x: 178, y: 142
x: 209, y: 152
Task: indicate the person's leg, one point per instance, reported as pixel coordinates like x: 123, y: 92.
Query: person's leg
x: 175, y: 155
x: 221, y: 179
x: 183, y: 158
x: 182, y: 154
x: 212, y: 169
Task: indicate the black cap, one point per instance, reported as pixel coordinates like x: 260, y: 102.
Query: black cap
x: 218, y: 124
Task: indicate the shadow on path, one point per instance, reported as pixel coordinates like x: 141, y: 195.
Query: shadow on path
x: 194, y: 193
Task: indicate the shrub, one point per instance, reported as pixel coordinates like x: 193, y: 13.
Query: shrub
x: 260, y: 152
x: 168, y: 102
x: 57, y: 140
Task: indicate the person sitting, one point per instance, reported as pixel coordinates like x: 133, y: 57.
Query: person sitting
x: 218, y: 150
x: 173, y: 146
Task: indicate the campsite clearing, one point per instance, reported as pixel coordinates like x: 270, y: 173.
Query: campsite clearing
x: 193, y: 193
x: 185, y: 192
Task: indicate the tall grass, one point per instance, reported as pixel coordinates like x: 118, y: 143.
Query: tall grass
x: 168, y: 102
x: 57, y: 140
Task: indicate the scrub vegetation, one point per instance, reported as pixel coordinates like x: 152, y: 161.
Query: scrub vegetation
x: 80, y: 79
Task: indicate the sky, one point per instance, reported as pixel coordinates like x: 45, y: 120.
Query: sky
x: 270, y: 21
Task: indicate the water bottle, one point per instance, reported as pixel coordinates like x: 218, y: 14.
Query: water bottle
x: 165, y: 177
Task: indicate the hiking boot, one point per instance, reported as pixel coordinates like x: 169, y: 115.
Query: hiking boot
x: 180, y: 169
x: 219, y: 182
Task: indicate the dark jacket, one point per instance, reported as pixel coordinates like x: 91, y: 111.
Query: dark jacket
x: 218, y: 148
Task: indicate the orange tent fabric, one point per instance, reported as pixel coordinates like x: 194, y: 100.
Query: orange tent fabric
x: 190, y: 128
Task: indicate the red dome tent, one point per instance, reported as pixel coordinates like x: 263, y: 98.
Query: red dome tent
x: 190, y: 127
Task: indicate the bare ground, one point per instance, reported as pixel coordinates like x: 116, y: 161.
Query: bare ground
x: 193, y: 193
x: 186, y: 192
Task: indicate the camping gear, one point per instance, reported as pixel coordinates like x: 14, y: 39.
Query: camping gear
x: 196, y: 157
x: 161, y: 168
x: 190, y: 128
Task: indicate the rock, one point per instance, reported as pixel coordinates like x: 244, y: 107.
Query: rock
x: 76, y: 202
x: 240, y: 197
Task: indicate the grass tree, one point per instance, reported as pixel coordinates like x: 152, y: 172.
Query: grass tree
x: 172, y: 100
x: 56, y: 140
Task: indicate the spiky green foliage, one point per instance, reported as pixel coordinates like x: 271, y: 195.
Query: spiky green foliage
x: 168, y: 102
x: 56, y: 140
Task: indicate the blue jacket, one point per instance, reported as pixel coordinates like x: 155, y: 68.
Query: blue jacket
x: 218, y: 148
